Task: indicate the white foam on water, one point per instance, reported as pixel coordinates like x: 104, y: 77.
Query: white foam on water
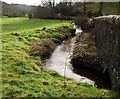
x: 60, y: 62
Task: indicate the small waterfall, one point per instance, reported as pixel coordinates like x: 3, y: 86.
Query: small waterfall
x: 60, y: 62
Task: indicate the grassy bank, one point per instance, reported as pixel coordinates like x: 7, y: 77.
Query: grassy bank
x: 22, y: 73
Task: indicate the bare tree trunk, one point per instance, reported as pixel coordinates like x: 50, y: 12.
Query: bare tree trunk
x: 51, y: 6
x: 84, y: 8
x: 50, y: 3
x: 53, y: 3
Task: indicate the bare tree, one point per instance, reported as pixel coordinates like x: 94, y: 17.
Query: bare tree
x: 84, y: 10
x: 48, y: 3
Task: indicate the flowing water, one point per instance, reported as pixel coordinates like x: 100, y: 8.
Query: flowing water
x: 60, y: 62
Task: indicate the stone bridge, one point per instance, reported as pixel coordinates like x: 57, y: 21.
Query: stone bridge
x: 107, y: 38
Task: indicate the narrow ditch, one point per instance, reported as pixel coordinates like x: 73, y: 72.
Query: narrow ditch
x: 60, y: 62
x: 102, y: 80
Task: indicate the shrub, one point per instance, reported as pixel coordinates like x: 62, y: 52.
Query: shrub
x: 83, y: 22
x: 30, y: 16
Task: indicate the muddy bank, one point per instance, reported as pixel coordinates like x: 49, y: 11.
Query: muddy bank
x: 85, y: 53
x: 52, y: 37
x: 87, y: 61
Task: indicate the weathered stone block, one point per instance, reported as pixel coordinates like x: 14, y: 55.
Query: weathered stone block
x: 107, y: 37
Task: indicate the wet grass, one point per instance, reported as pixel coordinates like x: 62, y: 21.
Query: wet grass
x: 22, y: 73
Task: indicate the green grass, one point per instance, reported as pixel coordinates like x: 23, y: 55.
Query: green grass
x: 108, y: 7
x: 22, y: 74
x: 24, y: 24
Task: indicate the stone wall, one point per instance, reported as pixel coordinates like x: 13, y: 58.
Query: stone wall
x: 107, y: 38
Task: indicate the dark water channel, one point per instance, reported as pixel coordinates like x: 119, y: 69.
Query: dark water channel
x: 101, y: 80
x: 60, y: 62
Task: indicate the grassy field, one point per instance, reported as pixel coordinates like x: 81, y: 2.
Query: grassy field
x: 22, y: 73
x: 108, y: 8
x: 25, y: 25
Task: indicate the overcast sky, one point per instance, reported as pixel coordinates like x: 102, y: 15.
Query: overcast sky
x: 27, y: 2
x: 37, y: 2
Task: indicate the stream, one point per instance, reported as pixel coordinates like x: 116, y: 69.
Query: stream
x: 60, y: 62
